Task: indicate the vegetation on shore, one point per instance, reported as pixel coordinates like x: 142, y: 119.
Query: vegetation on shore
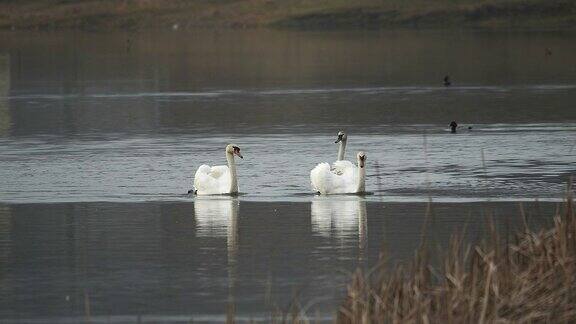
x: 529, y: 277
x: 308, y: 14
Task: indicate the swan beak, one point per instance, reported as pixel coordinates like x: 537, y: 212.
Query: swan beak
x: 339, y: 139
x: 362, y: 161
x: 239, y: 155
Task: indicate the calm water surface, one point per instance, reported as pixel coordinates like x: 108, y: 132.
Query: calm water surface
x: 100, y: 135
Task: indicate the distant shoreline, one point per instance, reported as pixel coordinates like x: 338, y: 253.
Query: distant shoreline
x: 102, y: 15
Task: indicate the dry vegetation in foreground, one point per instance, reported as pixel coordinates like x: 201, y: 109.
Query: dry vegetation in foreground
x: 316, y: 14
x: 526, y: 278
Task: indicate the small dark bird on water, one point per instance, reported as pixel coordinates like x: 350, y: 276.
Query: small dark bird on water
x: 453, y: 126
x: 447, y: 81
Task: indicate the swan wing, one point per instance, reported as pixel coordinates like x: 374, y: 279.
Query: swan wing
x: 342, y: 166
x: 212, y: 180
x: 340, y: 178
x: 348, y: 180
x: 320, y: 178
x: 219, y: 171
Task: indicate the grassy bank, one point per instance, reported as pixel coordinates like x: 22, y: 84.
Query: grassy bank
x: 317, y: 14
x: 525, y: 278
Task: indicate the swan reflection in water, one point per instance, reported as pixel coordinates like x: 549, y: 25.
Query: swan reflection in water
x: 342, y: 217
x: 218, y: 217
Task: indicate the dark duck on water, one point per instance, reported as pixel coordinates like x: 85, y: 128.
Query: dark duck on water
x: 453, y: 126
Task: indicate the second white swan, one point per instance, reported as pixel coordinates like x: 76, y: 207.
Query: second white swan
x: 342, y: 139
x: 343, y: 178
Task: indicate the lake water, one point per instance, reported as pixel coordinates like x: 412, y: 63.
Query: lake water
x: 101, y: 133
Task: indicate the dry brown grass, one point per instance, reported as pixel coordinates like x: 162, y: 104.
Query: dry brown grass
x: 527, y: 278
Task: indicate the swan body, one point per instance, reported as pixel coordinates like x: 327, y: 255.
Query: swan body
x: 218, y: 180
x: 342, y: 178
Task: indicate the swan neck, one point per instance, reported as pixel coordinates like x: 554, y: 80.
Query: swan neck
x: 361, y: 178
x: 342, y: 149
x: 233, y: 177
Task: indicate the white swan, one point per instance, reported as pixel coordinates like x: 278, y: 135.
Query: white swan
x: 218, y: 180
x: 342, y: 139
x: 343, y: 178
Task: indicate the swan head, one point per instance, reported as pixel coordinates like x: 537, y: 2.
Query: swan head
x: 341, y: 137
x: 233, y: 149
x: 361, y: 157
